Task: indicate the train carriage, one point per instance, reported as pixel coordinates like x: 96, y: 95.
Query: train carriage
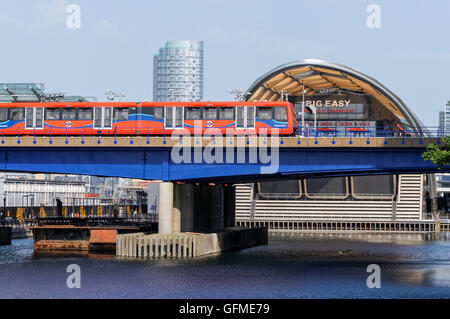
x: 147, y: 118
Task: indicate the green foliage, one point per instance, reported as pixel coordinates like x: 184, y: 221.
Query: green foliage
x: 439, y: 155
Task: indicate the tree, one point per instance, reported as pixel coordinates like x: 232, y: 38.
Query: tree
x: 439, y: 155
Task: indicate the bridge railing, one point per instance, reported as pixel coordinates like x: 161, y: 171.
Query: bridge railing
x: 97, y: 221
x: 339, y: 130
x: 355, y: 130
x: 131, y: 133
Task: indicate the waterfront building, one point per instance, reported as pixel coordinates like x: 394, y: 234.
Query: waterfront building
x: 444, y: 120
x: 178, y: 72
x: 26, y: 192
x: 347, y: 103
x: 443, y: 191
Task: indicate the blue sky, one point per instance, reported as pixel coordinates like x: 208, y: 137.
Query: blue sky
x: 114, y: 47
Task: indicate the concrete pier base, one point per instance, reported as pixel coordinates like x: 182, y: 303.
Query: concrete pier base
x: 189, y: 245
x: 5, y: 235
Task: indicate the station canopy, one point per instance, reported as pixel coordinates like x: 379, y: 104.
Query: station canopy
x: 33, y: 92
x: 317, y: 77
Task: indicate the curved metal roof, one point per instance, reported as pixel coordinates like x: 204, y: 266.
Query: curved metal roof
x: 317, y: 76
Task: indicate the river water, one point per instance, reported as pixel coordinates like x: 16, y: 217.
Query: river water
x: 291, y: 266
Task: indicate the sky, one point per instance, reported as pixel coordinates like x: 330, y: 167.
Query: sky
x: 114, y: 46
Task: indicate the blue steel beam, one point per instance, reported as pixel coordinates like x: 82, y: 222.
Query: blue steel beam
x: 156, y: 163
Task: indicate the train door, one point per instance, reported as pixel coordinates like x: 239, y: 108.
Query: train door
x: 34, y: 117
x: 173, y: 117
x: 245, y: 117
x: 103, y: 118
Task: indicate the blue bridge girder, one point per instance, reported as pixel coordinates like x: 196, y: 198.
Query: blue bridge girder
x: 310, y: 158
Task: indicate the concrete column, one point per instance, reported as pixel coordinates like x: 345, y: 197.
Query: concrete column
x: 229, y: 205
x: 202, y: 201
x: 177, y: 207
x: 217, y: 207
x: 165, y: 223
x: 187, y: 210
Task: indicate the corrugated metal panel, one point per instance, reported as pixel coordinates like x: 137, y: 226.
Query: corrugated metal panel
x: 409, y: 206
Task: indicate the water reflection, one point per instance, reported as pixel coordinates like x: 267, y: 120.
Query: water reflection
x: 293, y: 265
x: 74, y: 254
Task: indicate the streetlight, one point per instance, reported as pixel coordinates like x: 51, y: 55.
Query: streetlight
x: 284, y: 95
x: 238, y: 94
x: 4, y: 210
x: 111, y: 95
x: 303, y: 110
x: 27, y: 196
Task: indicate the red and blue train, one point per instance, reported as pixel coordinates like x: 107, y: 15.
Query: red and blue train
x: 146, y: 118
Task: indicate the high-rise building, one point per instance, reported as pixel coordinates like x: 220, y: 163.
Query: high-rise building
x: 444, y: 120
x: 178, y: 72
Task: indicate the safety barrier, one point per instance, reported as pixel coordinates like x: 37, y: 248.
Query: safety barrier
x: 350, y: 132
x: 347, y: 226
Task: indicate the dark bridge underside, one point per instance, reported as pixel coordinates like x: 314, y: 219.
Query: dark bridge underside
x: 156, y: 163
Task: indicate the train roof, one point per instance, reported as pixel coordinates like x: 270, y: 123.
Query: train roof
x: 144, y: 104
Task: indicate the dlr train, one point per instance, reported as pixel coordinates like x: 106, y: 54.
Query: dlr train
x: 146, y: 118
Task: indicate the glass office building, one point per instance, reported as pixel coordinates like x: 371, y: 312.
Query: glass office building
x: 178, y: 72
x: 444, y: 120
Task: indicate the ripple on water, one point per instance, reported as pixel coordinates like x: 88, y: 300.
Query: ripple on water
x: 302, y: 266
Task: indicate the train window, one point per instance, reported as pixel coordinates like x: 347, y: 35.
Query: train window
x: 148, y: 110
x: 240, y: 115
x: 169, y: 117
x: 52, y: 114
x: 97, y: 117
x: 3, y: 114
x: 193, y: 113
x: 85, y: 113
x: 280, y: 114
x: 121, y: 114
x: 29, y: 117
x: 179, y: 117
x: 158, y: 113
x: 107, y: 117
x: 16, y: 114
x: 39, y: 114
x: 264, y: 113
x: 210, y: 113
x: 250, y: 116
x: 69, y: 114
x: 226, y: 113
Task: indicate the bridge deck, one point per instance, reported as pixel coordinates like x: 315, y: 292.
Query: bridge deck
x: 169, y: 142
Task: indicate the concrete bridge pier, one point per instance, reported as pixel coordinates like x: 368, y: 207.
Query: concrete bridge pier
x: 195, y: 207
x: 194, y: 220
x: 166, y: 215
x: 184, y: 207
x: 229, y: 200
x: 214, y: 207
